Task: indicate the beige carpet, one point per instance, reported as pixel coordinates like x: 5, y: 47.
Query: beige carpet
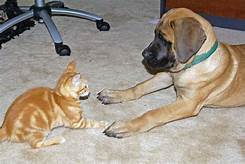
x: 113, y: 60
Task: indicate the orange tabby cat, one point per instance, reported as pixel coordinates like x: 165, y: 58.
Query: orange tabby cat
x: 33, y: 115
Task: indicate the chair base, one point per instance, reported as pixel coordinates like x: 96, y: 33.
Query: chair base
x: 44, y: 14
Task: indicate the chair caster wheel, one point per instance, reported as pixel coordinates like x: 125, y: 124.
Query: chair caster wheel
x: 102, y: 26
x: 62, y: 50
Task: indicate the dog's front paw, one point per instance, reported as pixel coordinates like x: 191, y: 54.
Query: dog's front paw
x: 108, y: 96
x: 121, y: 129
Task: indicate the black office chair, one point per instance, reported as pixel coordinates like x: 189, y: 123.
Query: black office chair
x: 42, y: 13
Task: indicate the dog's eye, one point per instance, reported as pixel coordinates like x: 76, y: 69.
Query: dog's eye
x: 160, y: 36
x: 169, y: 44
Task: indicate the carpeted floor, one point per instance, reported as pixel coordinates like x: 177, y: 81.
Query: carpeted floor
x: 113, y: 60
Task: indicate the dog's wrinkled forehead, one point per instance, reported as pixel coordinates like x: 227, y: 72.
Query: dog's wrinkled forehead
x: 164, y: 27
x: 165, y: 24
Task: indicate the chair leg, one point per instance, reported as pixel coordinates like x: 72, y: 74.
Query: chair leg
x: 100, y: 23
x: 16, y: 20
x: 53, y: 31
x: 75, y: 13
x: 62, y: 50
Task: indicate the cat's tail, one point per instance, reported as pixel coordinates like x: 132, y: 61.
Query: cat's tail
x: 3, y: 134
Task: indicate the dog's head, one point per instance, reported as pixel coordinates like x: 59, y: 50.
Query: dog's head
x: 176, y: 40
x: 71, y: 84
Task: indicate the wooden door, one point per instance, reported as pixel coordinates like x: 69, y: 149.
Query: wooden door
x: 225, y: 8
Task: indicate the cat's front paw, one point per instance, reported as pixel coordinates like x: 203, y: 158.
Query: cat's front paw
x: 96, y: 124
x: 103, y: 124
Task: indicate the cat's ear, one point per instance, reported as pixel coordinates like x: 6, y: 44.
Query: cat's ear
x: 76, y: 80
x: 71, y: 67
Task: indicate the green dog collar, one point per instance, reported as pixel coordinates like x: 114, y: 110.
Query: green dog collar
x: 202, y: 57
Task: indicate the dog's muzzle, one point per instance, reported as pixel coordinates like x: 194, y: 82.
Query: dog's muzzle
x: 149, y: 57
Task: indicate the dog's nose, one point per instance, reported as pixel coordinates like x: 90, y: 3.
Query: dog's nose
x: 146, y: 54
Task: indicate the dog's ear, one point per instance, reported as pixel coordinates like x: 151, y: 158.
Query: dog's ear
x: 189, y: 37
x: 71, y: 67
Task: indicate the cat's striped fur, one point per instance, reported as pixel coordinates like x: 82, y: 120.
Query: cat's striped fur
x: 33, y: 115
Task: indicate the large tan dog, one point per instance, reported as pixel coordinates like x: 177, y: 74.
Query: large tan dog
x: 203, y: 71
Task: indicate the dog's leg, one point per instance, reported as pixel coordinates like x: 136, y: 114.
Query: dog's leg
x: 178, y: 110
x: 157, y: 82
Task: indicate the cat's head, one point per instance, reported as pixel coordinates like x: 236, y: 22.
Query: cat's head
x: 71, y: 84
